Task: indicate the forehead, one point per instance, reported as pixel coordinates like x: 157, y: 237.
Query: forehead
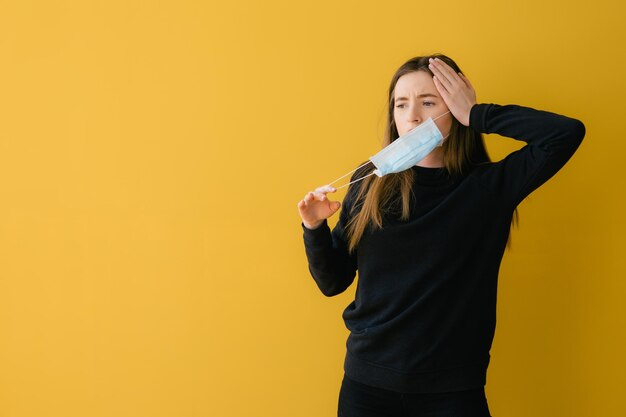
x: 415, y: 83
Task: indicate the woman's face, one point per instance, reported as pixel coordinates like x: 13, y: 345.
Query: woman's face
x: 416, y: 99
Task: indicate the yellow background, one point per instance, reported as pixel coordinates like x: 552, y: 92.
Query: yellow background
x: 152, y: 156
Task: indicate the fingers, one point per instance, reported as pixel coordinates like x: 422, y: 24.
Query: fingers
x: 312, y: 196
x: 325, y: 189
x: 444, y: 73
x: 468, y: 84
x: 440, y: 87
x: 465, y: 80
x: 320, y: 195
x: 437, y: 68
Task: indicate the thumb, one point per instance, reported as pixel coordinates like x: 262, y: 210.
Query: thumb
x: 335, y: 205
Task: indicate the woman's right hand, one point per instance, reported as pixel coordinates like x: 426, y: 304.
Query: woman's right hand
x: 315, y: 206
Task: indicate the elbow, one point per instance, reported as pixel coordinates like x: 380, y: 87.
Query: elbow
x: 578, y: 130
x: 330, y: 293
x: 330, y: 284
x: 332, y: 290
x: 571, y: 136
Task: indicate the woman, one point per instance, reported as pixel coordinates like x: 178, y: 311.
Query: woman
x: 427, y: 243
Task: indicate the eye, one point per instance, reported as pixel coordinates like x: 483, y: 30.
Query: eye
x: 428, y: 102
x: 400, y: 105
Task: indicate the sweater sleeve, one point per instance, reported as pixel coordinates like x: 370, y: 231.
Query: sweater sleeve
x: 331, y: 265
x: 551, y: 141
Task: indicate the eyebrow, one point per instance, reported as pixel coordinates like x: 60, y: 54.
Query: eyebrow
x: 420, y: 96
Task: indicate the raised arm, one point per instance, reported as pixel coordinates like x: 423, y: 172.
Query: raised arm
x: 551, y: 141
x: 551, y: 138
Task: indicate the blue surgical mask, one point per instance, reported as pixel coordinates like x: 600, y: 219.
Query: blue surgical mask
x: 406, y: 151
x: 409, y: 149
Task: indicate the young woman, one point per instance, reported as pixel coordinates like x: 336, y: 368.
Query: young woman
x: 428, y: 242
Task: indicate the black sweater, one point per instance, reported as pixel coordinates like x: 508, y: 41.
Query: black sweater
x: 424, y: 314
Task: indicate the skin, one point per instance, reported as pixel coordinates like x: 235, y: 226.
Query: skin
x: 452, y: 91
x: 411, y: 109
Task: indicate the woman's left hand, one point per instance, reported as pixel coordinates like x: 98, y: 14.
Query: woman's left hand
x: 455, y: 89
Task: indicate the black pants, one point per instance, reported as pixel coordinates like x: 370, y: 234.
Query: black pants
x: 360, y: 400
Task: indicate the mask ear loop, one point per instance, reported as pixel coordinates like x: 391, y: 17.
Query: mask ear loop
x: 441, y: 115
x: 345, y: 185
x: 446, y: 137
x: 362, y: 178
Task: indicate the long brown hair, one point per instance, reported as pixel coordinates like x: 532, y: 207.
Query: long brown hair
x: 462, y: 151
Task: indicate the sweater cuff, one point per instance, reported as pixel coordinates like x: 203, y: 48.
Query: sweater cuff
x: 478, y: 114
x: 312, y: 234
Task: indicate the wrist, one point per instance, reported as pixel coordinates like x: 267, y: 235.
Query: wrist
x: 312, y: 226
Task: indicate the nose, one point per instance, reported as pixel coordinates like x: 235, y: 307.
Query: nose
x: 414, y: 117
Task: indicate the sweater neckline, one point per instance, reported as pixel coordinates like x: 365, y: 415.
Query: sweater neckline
x: 431, y: 176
